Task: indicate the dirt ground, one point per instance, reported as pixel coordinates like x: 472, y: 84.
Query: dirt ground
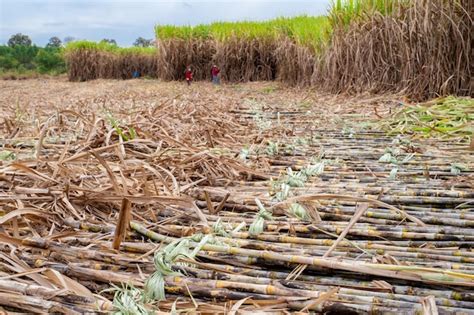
x: 51, y: 94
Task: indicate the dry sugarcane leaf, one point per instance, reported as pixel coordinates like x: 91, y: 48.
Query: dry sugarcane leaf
x: 111, y: 175
x: 32, y: 173
x: 324, y: 297
x: 21, y: 274
x: 383, y: 285
x: 210, y: 206
x: 10, y: 240
x: 359, y: 211
x: 429, y: 305
x: 65, y: 282
x: 20, y: 212
x: 21, y: 267
x: 352, y: 198
x: 236, y: 306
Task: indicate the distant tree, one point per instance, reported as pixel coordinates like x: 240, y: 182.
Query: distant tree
x: 25, y: 55
x: 7, y: 62
x: 68, y: 39
x: 143, y: 42
x: 50, y: 61
x: 19, y: 40
x: 54, y: 42
x: 110, y: 41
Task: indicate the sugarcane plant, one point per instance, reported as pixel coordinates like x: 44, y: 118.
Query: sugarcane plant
x: 257, y: 225
x: 128, y: 300
x: 130, y: 134
x: 457, y: 168
x: 165, y: 258
x: 244, y: 153
x: 219, y: 229
x: 6, y: 155
x: 393, y: 155
x: 280, y: 190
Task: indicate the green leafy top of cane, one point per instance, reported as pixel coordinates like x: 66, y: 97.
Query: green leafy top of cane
x: 457, y: 168
x: 295, y: 179
x: 258, y: 224
x: 128, y: 300
x: 165, y: 258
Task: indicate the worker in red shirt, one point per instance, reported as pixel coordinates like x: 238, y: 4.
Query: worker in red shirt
x: 215, y: 74
x: 188, y: 74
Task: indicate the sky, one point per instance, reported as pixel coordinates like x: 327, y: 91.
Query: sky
x: 125, y: 20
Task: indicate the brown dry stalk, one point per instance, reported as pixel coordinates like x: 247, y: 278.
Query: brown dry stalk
x: 429, y: 305
x: 321, y: 299
x: 122, y: 223
x: 360, y: 210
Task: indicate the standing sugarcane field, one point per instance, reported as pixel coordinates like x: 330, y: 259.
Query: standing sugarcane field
x: 307, y: 164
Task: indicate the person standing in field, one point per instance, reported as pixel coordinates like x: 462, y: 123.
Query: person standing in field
x: 188, y: 74
x: 215, y: 74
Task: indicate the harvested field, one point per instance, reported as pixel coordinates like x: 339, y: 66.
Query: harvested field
x: 143, y: 197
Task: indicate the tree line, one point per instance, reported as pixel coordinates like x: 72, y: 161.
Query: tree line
x: 20, y: 55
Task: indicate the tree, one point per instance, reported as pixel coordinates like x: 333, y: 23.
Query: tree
x: 19, y: 40
x: 50, y: 61
x: 54, y: 42
x: 110, y: 41
x: 25, y: 55
x: 142, y: 42
x: 68, y: 39
x: 7, y: 62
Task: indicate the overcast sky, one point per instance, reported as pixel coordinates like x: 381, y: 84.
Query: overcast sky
x: 125, y: 20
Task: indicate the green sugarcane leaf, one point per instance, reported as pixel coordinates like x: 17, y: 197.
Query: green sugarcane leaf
x: 6, y: 155
x: 299, y: 211
x: 393, y: 173
x: 457, y: 168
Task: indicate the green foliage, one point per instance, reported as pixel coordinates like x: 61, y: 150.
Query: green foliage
x: 165, y: 258
x: 50, y: 61
x: 306, y: 30
x: 344, y: 12
x: 299, y: 211
x: 444, y: 117
x: 143, y: 42
x: 19, y: 40
x: 258, y: 223
x: 272, y: 148
x: 457, y: 168
x: 107, y: 47
x: 8, y: 62
x: 109, y: 41
x: 125, y: 135
x: 128, y: 300
x: 54, y: 42
x: 295, y: 179
x: 6, y: 155
x: 26, y: 59
x: 25, y: 55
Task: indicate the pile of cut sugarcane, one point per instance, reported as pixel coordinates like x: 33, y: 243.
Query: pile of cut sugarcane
x: 445, y: 117
x: 230, y: 206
